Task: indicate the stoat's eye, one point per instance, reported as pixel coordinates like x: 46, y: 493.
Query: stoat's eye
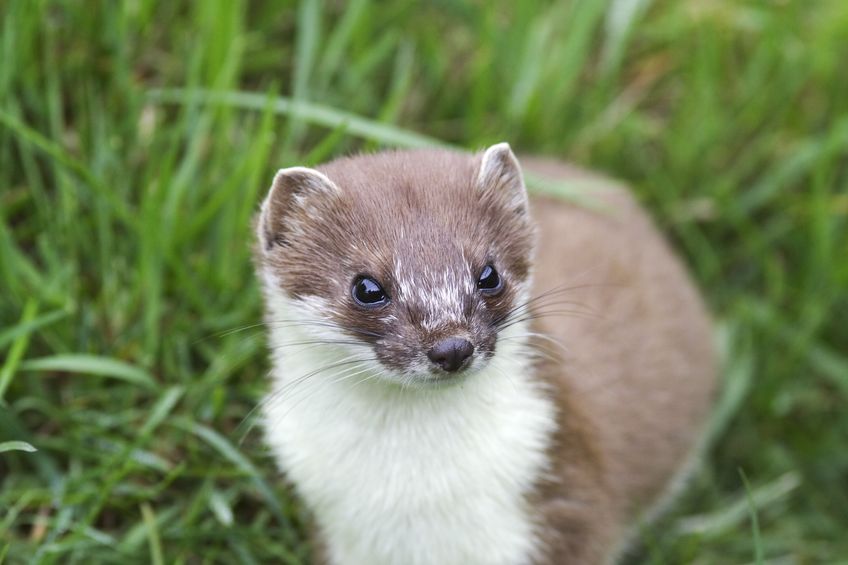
x: 489, y: 281
x: 367, y: 292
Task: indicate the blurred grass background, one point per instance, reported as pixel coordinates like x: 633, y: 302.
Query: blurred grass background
x: 124, y: 239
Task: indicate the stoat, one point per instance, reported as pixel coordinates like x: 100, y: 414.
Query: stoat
x: 463, y: 375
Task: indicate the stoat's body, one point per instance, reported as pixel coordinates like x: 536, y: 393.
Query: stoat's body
x: 433, y: 404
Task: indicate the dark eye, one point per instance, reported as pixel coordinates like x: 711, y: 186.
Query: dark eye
x: 368, y: 292
x: 489, y: 281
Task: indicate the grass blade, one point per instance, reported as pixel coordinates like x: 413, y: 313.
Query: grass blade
x: 156, y: 556
x: 58, y: 154
x: 731, y: 515
x: 92, y: 365
x: 18, y: 348
x: 16, y: 446
x: 755, y: 521
x: 30, y: 326
x: 229, y: 451
x: 318, y: 114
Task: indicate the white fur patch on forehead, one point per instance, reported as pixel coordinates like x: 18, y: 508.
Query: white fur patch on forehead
x: 501, y: 174
x: 439, y: 294
x: 293, y: 186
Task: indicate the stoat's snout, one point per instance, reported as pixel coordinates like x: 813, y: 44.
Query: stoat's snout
x: 451, y: 354
x: 421, y: 271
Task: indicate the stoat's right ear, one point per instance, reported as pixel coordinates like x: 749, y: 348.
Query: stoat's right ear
x: 292, y: 189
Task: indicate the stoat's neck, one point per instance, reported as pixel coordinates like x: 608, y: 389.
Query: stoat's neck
x: 413, y: 476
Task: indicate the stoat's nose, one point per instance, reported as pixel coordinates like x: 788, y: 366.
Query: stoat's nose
x: 451, y: 354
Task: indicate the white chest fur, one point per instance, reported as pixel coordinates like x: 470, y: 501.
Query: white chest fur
x: 408, y: 476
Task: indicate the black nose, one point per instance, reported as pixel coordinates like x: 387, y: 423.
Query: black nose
x: 450, y: 354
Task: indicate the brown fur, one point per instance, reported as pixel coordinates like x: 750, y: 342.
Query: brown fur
x: 635, y: 377
x: 639, y: 375
x: 391, y: 206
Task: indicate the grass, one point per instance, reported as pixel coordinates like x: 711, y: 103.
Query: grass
x: 136, y: 139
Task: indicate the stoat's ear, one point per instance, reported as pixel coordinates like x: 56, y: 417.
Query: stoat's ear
x: 500, y: 177
x: 292, y: 189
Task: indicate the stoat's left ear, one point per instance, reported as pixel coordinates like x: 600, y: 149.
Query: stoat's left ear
x: 500, y: 177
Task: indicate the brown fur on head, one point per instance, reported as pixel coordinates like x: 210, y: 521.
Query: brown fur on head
x: 423, y: 224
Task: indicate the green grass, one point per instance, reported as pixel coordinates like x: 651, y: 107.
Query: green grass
x: 124, y: 239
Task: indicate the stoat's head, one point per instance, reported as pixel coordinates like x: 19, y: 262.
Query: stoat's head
x: 421, y: 257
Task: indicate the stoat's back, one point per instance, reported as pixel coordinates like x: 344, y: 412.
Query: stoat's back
x: 638, y: 363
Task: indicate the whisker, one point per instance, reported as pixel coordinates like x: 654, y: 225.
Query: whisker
x: 496, y: 366
x: 278, y: 394
x: 545, y: 309
x: 534, y: 348
x: 314, y: 342
x: 341, y: 363
x: 538, y: 316
x: 351, y: 375
x: 284, y: 323
x: 373, y: 375
x: 553, y: 292
x: 324, y: 324
x: 338, y: 377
